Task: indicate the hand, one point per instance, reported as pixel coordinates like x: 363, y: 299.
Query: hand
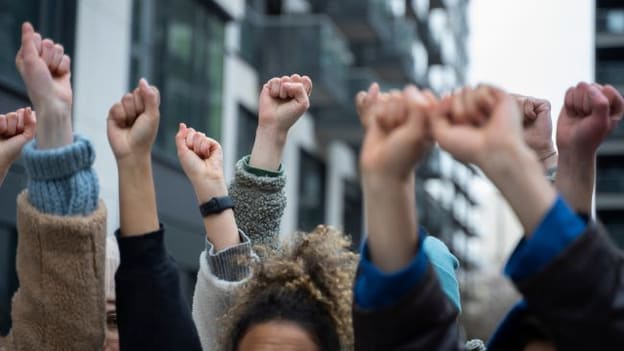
x: 397, y: 131
x: 133, y: 123
x: 478, y: 125
x: 202, y: 161
x: 45, y: 69
x: 282, y: 102
x: 397, y: 136
x: 589, y: 114
x: 538, y: 128
x: 16, y: 129
x: 489, y: 133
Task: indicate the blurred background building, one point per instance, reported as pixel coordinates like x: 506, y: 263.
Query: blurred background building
x: 610, y: 69
x: 209, y: 59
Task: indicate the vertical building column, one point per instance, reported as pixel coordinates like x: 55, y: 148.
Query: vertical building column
x: 101, y: 70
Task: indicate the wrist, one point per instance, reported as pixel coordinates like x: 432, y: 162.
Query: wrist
x: 206, y: 190
x: 268, y: 148
x: 54, y: 127
x: 134, y: 165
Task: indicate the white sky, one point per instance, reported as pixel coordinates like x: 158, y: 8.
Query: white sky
x: 532, y: 47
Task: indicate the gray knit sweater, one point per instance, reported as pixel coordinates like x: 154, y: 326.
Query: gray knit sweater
x: 259, y: 205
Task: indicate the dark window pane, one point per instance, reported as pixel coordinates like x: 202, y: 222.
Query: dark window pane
x: 179, y: 47
x: 247, y: 124
x: 311, y: 192
x: 352, y: 215
x: 8, y: 282
x: 614, y: 221
x: 53, y: 18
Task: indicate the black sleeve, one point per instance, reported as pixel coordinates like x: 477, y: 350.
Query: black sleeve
x: 152, y: 314
x: 424, y: 319
x: 579, y: 297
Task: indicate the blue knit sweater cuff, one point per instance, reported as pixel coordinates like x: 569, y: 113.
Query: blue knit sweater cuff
x: 62, y: 181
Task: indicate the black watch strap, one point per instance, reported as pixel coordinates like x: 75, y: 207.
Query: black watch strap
x: 216, y: 205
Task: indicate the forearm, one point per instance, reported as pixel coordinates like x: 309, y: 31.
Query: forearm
x: 519, y: 177
x: 575, y: 180
x: 268, y: 149
x: 391, y: 222
x: 54, y: 126
x: 221, y: 230
x: 137, y: 197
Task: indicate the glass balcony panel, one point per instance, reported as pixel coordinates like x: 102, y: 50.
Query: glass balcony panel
x: 309, y: 45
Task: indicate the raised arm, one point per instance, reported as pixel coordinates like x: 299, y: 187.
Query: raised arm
x: 590, y: 112
x: 151, y: 311
x: 258, y: 187
x: 61, y: 225
x: 396, y: 286
x: 559, y: 249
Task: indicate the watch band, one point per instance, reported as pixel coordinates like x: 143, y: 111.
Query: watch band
x: 216, y: 205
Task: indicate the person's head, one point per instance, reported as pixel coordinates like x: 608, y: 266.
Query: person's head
x: 112, y: 263
x: 299, y: 297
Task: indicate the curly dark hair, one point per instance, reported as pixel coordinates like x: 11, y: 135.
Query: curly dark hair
x: 308, y: 280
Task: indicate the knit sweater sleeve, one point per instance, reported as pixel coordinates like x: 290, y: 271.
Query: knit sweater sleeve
x: 62, y: 180
x: 60, y: 266
x: 259, y: 200
x: 212, y: 298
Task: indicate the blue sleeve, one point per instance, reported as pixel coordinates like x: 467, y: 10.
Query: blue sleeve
x: 62, y: 180
x: 375, y: 289
x: 559, y: 228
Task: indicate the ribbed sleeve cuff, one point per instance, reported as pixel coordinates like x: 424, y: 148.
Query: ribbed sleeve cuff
x: 259, y: 179
x: 232, y: 263
x: 60, y: 162
x: 62, y: 181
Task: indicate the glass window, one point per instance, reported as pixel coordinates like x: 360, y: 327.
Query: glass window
x: 53, y: 18
x: 352, y: 214
x: 8, y: 283
x: 247, y: 125
x: 179, y: 47
x: 311, y: 192
x: 614, y: 221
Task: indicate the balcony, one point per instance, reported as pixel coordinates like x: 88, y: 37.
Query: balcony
x: 610, y: 28
x: 610, y: 72
x: 359, y: 20
x: 392, y: 59
x: 342, y: 122
x: 311, y: 45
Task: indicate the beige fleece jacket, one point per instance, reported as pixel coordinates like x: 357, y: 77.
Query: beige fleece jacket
x: 60, y: 304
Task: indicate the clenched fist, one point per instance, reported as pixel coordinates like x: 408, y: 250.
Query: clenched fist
x: 45, y: 69
x: 16, y: 129
x: 397, y: 131
x: 202, y: 161
x: 133, y: 122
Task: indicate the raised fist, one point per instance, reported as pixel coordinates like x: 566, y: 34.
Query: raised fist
x: 133, y: 122
x: 283, y: 101
x: 478, y: 125
x: 16, y: 129
x: 45, y: 69
x: 202, y: 161
x: 589, y: 114
x: 397, y: 131
x: 537, y: 124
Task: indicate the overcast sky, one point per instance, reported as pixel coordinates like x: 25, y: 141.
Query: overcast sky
x: 533, y: 47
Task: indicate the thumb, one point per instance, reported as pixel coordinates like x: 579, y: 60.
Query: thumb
x: 30, y: 123
x: 180, y: 140
x: 297, y: 91
x: 151, y: 97
x: 599, y: 104
x: 28, y: 49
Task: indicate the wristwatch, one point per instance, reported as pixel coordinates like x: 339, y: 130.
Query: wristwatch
x: 216, y: 205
